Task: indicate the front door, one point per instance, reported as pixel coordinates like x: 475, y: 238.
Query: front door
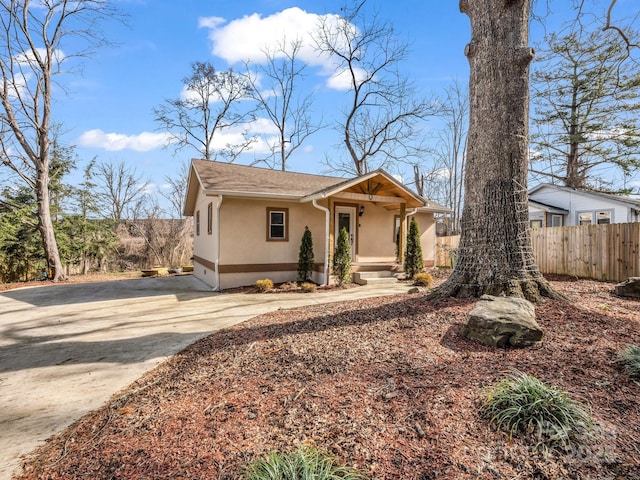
x: 346, y: 218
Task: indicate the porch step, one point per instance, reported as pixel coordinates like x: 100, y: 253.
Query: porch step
x: 377, y: 278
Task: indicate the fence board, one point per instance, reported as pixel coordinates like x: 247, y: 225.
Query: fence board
x: 602, y: 252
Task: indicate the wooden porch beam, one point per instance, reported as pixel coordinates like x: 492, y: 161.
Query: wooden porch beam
x: 370, y: 198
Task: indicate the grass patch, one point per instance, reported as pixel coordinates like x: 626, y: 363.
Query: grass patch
x: 306, y: 463
x: 629, y: 360
x: 523, y: 404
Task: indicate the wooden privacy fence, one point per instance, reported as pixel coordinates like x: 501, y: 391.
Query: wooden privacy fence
x: 602, y: 252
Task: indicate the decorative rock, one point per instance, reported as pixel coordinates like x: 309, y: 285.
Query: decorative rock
x: 413, y: 290
x: 629, y: 288
x: 503, y: 321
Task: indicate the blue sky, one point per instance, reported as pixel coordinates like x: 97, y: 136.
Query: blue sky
x: 107, y: 112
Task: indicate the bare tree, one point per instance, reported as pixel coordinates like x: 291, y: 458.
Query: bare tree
x: 443, y: 181
x: 276, y: 88
x: 177, y: 186
x: 120, y: 190
x: 208, y: 106
x: 384, y: 113
x: 495, y: 254
x: 36, y: 39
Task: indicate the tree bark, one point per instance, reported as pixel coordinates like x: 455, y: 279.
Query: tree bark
x: 495, y: 255
x: 45, y: 224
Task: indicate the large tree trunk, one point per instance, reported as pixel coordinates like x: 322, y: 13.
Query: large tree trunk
x: 495, y: 254
x: 45, y: 224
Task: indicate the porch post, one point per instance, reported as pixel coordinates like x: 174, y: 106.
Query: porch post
x: 402, y: 235
x: 332, y: 228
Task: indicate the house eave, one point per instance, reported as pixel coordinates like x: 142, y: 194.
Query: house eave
x: 261, y: 195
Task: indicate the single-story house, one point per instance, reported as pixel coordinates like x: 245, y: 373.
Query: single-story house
x: 249, y: 222
x: 556, y: 206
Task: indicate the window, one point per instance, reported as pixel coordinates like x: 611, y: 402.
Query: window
x: 210, y: 218
x: 277, y: 224
x: 585, y: 218
x: 556, y: 220
x: 536, y: 223
x: 198, y: 222
x: 603, y: 217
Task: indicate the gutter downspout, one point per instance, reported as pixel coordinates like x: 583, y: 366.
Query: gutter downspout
x: 217, y: 262
x: 326, y: 241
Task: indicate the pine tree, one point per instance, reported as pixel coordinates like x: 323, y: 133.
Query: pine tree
x: 305, y: 258
x: 342, y: 259
x: 586, y: 98
x: 413, y: 262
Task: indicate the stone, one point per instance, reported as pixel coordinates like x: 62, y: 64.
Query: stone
x: 502, y: 322
x: 413, y: 290
x: 629, y: 288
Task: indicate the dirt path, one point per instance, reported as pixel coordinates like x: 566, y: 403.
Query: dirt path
x: 65, y: 349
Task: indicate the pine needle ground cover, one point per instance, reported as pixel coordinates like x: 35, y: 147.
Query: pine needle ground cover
x: 387, y: 386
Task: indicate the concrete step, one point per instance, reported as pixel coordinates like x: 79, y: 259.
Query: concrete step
x: 377, y: 278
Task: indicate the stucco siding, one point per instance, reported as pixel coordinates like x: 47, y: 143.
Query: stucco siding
x: 205, y: 241
x: 376, y: 234
x: 245, y: 250
x: 427, y: 228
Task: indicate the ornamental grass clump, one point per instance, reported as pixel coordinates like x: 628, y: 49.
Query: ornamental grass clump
x: 423, y: 280
x: 629, y: 360
x: 306, y: 463
x: 264, y: 285
x: 523, y: 404
x: 308, y: 287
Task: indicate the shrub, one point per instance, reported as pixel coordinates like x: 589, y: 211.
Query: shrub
x: 413, y: 262
x: 629, y: 360
x: 305, y: 257
x: 309, y: 287
x: 264, y: 285
x: 523, y: 404
x: 423, y: 279
x: 306, y: 463
x: 342, y: 259
x: 289, y: 286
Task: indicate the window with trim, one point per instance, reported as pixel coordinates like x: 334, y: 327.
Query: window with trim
x: 535, y: 223
x: 556, y: 220
x: 585, y: 218
x: 210, y: 218
x: 198, y: 222
x: 277, y: 224
x: 603, y: 217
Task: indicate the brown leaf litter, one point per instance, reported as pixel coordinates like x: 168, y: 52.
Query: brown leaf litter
x: 387, y: 385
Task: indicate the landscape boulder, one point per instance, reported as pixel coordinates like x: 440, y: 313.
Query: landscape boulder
x: 502, y: 322
x: 629, y: 288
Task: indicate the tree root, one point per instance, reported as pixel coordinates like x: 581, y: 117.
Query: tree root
x: 533, y: 288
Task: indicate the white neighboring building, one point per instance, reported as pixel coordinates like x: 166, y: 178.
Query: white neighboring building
x: 556, y: 206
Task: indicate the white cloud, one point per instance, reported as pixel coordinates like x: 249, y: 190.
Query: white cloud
x: 142, y: 142
x: 341, y: 80
x: 210, y: 22
x: 247, y: 38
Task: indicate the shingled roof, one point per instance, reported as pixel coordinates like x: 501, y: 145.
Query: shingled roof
x: 218, y: 177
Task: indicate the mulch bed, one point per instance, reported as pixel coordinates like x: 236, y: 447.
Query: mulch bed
x: 387, y: 385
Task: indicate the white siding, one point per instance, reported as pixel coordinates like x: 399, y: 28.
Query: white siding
x: 576, y: 202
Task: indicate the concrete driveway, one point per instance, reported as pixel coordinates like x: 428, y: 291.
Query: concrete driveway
x: 65, y: 349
